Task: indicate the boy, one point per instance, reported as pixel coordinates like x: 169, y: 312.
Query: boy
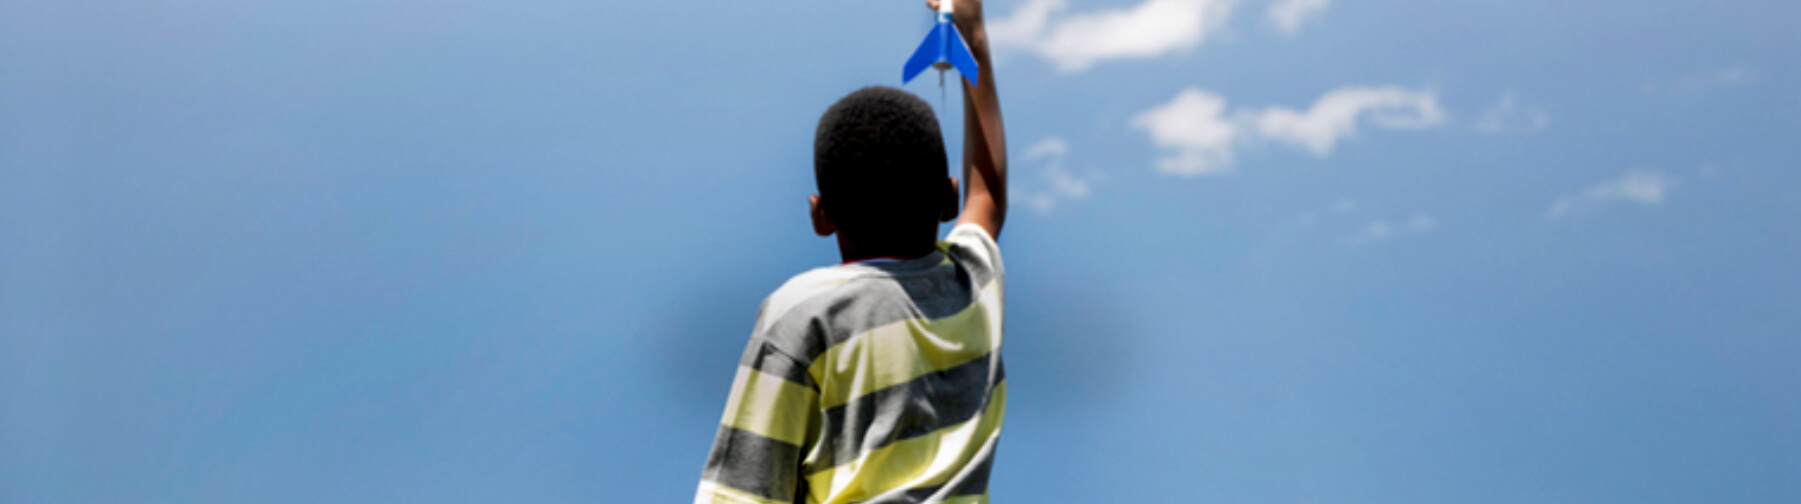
x: 880, y: 380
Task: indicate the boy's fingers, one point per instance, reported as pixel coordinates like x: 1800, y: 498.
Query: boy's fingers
x: 932, y: 4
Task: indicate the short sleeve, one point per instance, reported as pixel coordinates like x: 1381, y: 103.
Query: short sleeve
x: 765, y: 432
x: 970, y: 245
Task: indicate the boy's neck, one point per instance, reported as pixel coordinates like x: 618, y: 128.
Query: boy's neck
x: 851, y: 252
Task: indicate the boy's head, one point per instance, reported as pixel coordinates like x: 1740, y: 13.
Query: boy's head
x: 879, y: 161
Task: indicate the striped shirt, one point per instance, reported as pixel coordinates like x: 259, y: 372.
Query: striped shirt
x: 870, y: 382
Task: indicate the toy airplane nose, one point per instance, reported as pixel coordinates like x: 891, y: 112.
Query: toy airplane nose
x: 942, y: 49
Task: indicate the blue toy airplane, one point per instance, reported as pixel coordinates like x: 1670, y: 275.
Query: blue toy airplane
x: 942, y: 49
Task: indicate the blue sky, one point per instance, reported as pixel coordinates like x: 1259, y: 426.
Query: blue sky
x: 1271, y: 251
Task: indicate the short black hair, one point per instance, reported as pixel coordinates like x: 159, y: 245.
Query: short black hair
x: 879, y: 160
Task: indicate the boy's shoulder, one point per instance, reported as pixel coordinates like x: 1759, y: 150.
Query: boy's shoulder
x: 971, y: 245
x: 821, y: 282
x: 968, y: 248
x: 795, y: 318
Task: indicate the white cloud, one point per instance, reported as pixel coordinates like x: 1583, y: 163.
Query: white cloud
x: 1342, y: 206
x: 1507, y: 115
x: 1339, y: 216
x: 1290, y: 14
x: 1196, y: 125
x: 1725, y: 77
x: 1730, y: 76
x: 1075, y: 42
x: 1335, y: 116
x: 1058, y: 184
x: 1382, y: 229
x: 1049, y: 147
x: 1025, y: 24
x: 1647, y: 188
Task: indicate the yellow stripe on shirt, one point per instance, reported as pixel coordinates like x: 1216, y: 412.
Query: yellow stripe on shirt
x: 916, y: 462
x: 761, y: 403
x: 714, y: 493
x: 873, y: 360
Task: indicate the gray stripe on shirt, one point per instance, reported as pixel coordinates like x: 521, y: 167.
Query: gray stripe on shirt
x: 754, y: 464
x: 868, y: 302
x: 918, y: 407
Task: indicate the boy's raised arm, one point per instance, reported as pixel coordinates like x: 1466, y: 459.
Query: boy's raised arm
x: 984, y: 138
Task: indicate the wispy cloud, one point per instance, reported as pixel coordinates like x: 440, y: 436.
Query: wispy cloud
x: 1058, y: 184
x: 1340, y: 207
x: 1508, y: 116
x: 1075, y: 42
x: 1335, y: 116
x: 1346, y: 214
x: 1196, y: 125
x: 1730, y: 76
x: 1382, y: 229
x: 1641, y: 187
x: 1289, y: 15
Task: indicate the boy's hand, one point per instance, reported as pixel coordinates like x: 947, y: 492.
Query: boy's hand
x: 967, y: 14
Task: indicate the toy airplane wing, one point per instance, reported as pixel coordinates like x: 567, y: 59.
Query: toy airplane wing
x: 925, y: 56
x: 943, y: 49
x: 960, y: 56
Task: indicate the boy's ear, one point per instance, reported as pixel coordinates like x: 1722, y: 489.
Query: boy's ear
x: 822, y: 225
x: 947, y: 206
